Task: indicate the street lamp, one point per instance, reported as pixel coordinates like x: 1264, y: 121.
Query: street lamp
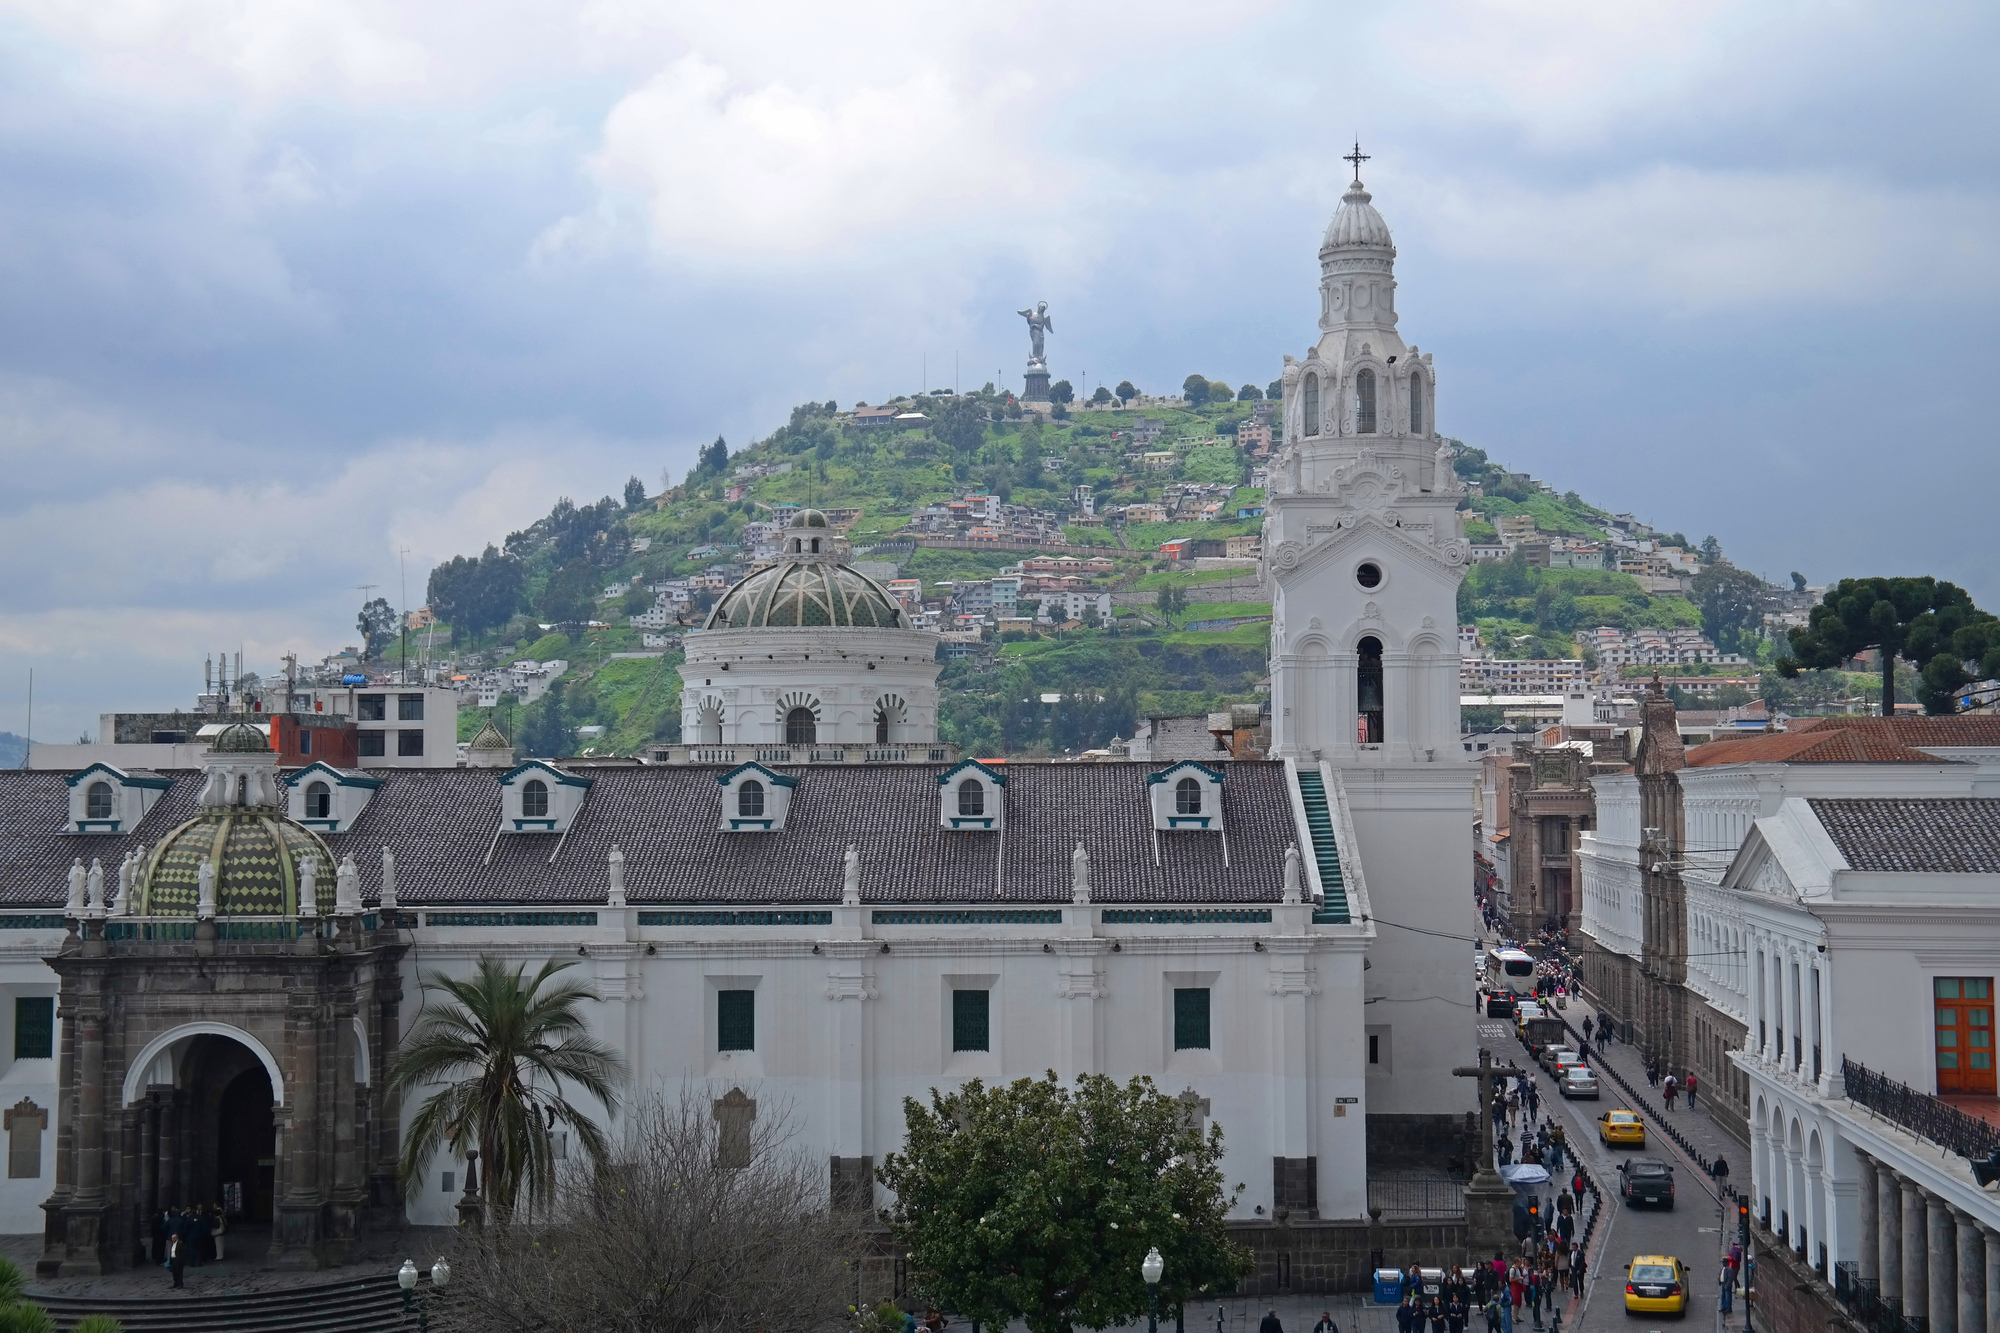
x: 1150, y: 1268
x: 406, y: 1280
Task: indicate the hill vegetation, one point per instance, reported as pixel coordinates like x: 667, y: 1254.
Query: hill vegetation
x: 565, y: 586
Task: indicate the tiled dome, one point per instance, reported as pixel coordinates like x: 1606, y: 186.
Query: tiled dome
x: 256, y: 851
x: 801, y: 595
x: 240, y: 738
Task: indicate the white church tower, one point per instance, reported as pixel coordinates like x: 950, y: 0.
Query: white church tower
x: 1363, y: 547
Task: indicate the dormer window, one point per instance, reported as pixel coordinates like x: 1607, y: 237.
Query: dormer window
x: 1186, y: 795
x: 103, y: 799
x: 755, y: 799
x: 972, y: 797
x: 328, y: 799
x: 538, y: 797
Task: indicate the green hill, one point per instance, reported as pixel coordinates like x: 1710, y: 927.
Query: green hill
x: 560, y: 571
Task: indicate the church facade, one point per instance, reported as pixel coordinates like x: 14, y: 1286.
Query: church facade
x: 814, y: 908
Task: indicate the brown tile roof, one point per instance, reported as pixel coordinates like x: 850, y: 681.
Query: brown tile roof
x: 1953, y: 836
x: 1964, y: 729
x: 1832, y: 746
x: 441, y: 823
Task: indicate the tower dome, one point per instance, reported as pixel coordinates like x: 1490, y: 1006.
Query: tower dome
x: 257, y: 851
x: 806, y: 594
x: 1356, y: 223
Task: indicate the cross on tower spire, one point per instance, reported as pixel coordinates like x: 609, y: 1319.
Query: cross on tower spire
x: 1357, y: 157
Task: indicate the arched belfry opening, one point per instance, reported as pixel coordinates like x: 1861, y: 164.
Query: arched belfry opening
x: 1368, y: 692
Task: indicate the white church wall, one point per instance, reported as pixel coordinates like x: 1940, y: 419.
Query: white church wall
x: 1286, y: 1041
x: 24, y: 975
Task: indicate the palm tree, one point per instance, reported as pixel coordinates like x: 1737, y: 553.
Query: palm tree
x: 504, y: 1051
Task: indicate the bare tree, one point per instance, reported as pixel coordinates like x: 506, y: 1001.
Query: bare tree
x: 706, y: 1220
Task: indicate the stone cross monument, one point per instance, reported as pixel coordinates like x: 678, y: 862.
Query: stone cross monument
x: 1489, y: 1199
x: 1036, y: 388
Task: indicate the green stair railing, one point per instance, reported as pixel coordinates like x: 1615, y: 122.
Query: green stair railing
x: 1319, y: 822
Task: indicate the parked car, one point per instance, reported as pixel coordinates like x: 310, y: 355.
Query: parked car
x: 1577, y: 1081
x: 1646, y: 1180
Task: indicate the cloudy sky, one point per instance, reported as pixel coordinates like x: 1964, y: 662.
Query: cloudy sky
x: 289, y: 289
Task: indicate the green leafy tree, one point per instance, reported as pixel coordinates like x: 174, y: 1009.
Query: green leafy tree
x: 1171, y: 601
x: 1195, y: 389
x: 1036, y: 1202
x: 1126, y: 393
x: 1798, y: 581
x: 505, y: 1049
x: 960, y: 424
x: 1922, y: 619
x: 1732, y: 603
x: 1103, y: 395
x: 475, y: 595
x: 378, y: 625
x: 570, y: 593
x: 1249, y: 393
x: 1275, y: 390
x: 1218, y: 392
x: 1711, y: 549
x: 713, y: 457
x: 547, y: 733
x: 635, y: 492
x: 1062, y: 391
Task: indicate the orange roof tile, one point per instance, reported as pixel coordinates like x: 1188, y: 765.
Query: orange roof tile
x: 1964, y: 729
x: 1818, y: 746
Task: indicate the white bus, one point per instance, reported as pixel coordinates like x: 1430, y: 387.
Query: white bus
x: 1510, y: 976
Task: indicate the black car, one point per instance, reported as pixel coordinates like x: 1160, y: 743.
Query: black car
x: 1646, y: 1180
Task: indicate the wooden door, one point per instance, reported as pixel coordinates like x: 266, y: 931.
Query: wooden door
x: 1964, y: 1019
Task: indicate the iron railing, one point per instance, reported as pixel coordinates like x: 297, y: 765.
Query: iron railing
x: 1409, y: 1196
x: 1920, y: 1113
x: 1863, y: 1300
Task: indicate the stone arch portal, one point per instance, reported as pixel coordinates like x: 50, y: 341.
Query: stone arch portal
x: 136, y: 1074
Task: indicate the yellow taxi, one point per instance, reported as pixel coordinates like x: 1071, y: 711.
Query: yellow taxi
x: 1656, y: 1284
x: 1621, y: 1127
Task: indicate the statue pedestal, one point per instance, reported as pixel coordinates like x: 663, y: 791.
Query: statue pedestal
x: 1489, y: 1215
x: 1036, y: 389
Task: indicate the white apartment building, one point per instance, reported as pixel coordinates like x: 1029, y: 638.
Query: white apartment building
x: 1498, y: 675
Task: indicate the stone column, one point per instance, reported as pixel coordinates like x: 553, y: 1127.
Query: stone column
x: 1943, y: 1249
x: 1868, y: 1261
x: 90, y: 1108
x: 1916, y: 1256
x: 1889, y: 1210
x: 149, y: 1156
x: 1992, y: 1278
x: 1971, y: 1275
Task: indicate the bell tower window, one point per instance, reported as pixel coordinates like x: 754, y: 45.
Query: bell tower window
x: 800, y: 727
x: 1368, y: 692
x: 1310, y: 409
x: 1364, y: 403
x: 1416, y: 404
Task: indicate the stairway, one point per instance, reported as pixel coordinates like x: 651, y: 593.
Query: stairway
x: 364, y: 1305
x: 1319, y: 821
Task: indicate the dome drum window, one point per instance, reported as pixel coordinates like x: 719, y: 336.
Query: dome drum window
x: 755, y: 799
x: 1364, y: 402
x: 538, y: 797
x: 1186, y: 796
x: 103, y: 799
x: 328, y: 799
x: 972, y: 797
x: 1309, y: 405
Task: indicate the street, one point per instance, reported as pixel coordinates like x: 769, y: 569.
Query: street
x: 1695, y: 1230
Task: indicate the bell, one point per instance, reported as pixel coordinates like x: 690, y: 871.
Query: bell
x: 1988, y: 1171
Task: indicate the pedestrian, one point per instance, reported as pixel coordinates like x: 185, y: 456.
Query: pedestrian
x: 1689, y: 1087
x: 1576, y: 1265
x: 1727, y: 1282
x: 1535, y: 1295
x: 219, y: 1230
x: 1492, y: 1309
x: 1221, y: 1318
x: 1406, y: 1314
x: 198, y: 1224
x: 1667, y: 1091
x: 1270, y: 1322
x: 1326, y: 1324
x: 1735, y: 1254
x: 1454, y: 1313
x: 177, y: 1256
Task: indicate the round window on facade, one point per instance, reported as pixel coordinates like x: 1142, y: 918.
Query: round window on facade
x: 1369, y: 575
